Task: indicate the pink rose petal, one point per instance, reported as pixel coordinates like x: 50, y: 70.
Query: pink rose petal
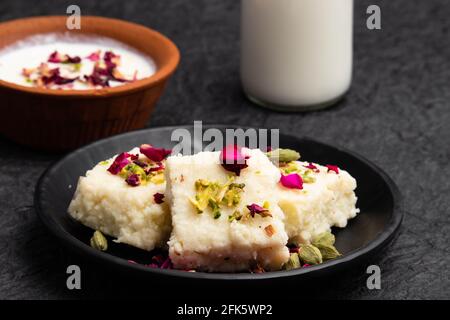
x: 332, y: 168
x: 94, y: 56
x: 312, y: 167
x: 54, y: 57
x: 232, y: 159
x: 292, y: 181
x: 154, y: 154
x: 119, y: 162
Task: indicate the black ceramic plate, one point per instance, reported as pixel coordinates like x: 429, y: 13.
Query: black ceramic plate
x: 371, y: 230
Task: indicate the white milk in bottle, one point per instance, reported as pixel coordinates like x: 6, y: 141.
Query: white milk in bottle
x: 296, y: 54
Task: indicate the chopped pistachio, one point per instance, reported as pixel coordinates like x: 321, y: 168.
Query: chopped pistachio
x: 98, y: 241
x: 197, y: 205
x: 293, y: 262
x: 237, y: 215
x: 232, y: 196
x: 290, y: 167
x: 103, y: 163
x: 307, y: 177
x: 213, y: 195
x: 215, y: 208
x: 283, y: 155
x: 310, y: 254
x: 76, y: 67
x: 201, y: 184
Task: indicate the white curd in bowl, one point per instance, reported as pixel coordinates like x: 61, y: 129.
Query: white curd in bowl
x: 31, y: 52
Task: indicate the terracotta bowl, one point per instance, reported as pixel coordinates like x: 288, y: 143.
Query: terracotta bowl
x: 59, y: 120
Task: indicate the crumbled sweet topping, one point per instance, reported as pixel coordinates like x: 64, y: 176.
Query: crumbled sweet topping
x: 214, y: 195
x: 232, y: 159
x: 137, y: 172
x: 61, y: 71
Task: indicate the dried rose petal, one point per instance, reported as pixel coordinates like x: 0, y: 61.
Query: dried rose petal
x: 140, y: 164
x: 257, y: 209
x: 292, y: 181
x: 53, y: 76
x: 159, y: 167
x: 133, y: 180
x: 55, y: 57
x: 232, y: 159
x: 306, y: 265
x: 332, y: 168
x: 69, y: 59
x: 154, y: 154
x: 158, y: 197
x: 293, y: 250
x: 119, y: 162
x: 94, y: 56
x: 167, y: 264
x: 312, y: 167
x: 110, y: 56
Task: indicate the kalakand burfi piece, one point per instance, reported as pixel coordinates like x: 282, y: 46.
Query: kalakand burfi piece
x: 225, y: 218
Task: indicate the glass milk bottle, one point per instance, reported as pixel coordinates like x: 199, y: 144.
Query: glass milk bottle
x: 296, y: 54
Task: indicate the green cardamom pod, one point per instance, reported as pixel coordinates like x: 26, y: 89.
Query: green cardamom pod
x: 283, y: 155
x: 324, y: 239
x: 309, y: 254
x: 329, y: 252
x: 293, y: 262
x: 99, y: 242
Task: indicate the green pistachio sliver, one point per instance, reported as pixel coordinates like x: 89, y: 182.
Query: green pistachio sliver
x: 215, y: 208
x: 201, y: 184
x: 237, y: 215
x: 293, y: 262
x: 98, y: 241
x: 283, y: 155
x: 310, y: 254
x: 196, y: 204
x: 103, y: 163
x: 290, y: 167
x: 307, y: 177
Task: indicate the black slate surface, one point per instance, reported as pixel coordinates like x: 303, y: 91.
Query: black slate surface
x: 397, y: 114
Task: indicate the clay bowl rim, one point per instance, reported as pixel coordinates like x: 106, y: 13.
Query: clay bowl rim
x: 163, y: 71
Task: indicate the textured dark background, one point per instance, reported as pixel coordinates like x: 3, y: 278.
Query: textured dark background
x: 397, y: 114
